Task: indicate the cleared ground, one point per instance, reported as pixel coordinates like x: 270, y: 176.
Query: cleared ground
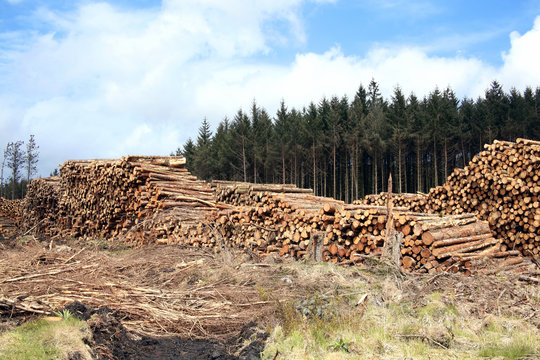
x: 165, y: 302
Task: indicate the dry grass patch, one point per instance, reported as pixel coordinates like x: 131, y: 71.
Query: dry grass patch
x: 46, y: 338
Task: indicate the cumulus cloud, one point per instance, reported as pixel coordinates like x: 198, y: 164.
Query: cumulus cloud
x: 105, y: 82
x: 520, y: 67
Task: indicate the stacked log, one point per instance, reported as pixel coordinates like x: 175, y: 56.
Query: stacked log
x: 286, y: 225
x: 10, y: 216
x: 40, y: 206
x: 430, y: 243
x: 131, y: 198
x: 502, y: 186
x: 414, y: 202
x: 155, y: 199
x: 248, y: 194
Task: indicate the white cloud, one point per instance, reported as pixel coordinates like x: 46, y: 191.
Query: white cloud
x: 105, y: 82
x: 521, y: 61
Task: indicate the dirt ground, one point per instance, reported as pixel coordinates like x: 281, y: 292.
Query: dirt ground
x: 175, y: 302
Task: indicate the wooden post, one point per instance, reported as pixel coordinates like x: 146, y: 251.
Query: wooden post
x: 316, y: 243
x: 392, y: 242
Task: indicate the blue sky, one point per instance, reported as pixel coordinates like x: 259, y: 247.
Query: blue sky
x: 103, y: 79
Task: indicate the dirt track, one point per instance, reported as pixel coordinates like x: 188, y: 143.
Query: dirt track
x: 168, y: 302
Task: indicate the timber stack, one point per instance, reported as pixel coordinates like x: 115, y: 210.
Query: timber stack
x: 40, y: 206
x: 247, y: 194
x: 10, y: 216
x: 142, y: 199
x: 126, y: 198
x: 430, y: 243
x: 502, y: 186
x: 415, y: 202
x: 287, y: 224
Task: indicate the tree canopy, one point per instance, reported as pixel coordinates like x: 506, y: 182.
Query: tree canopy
x: 347, y: 148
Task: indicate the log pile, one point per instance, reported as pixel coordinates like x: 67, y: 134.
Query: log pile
x: 287, y: 225
x: 430, y: 243
x: 414, y: 202
x: 10, y: 216
x: 248, y: 194
x: 130, y: 198
x: 142, y: 199
x: 502, y: 186
x: 40, y: 206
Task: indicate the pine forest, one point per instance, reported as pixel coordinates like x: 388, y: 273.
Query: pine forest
x: 346, y: 148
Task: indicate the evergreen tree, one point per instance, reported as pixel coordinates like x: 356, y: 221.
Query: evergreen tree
x: 241, y: 127
x: 434, y: 108
x: 202, y: 157
x: 188, y: 151
x: 417, y: 120
x: 15, y: 161
x: 464, y: 128
x: 357, y: 116
x: 496, y: 110
x: 31, y: 158
x: 223, y: 152
x: 2, y: 187
x: 314, y: 133
x: 397, y: 118
x: 282, y: 132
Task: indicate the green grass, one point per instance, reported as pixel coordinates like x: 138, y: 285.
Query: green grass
x: 514, y: 350
x: 43, y: 339
x: 395, y: 329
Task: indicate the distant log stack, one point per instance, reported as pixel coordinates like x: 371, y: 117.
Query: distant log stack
x: 40, y: 206
x: 247, y: 194
x: 502, y: 186
x: 414, y: 202
x: 124, y: 198
x: 10, y: 216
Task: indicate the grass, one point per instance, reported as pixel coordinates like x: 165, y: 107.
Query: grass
x: 332, y: 324
x: 45, y: 338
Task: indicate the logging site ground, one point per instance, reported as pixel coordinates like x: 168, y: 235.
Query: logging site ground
x: 177, y: 302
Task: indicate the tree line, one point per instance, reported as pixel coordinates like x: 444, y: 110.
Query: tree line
x: 19, y: 164
x: 347, y: 148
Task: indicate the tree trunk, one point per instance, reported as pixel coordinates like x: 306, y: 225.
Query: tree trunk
x: 352, y: 174
x: 347, y: 194
x: 445, y: 159
x: 283, y: 164
x: 314, y: 169
x: 375, y: 171
x: 254, y: 170
x: 295, y: 167
x: 355, y: 171
x: 399, y: 167
x: 2, y: 177
x: 418, y: 167
x: 435, y: 170
x: 244, y: 158
x: 334, y: 167
x: 463, y: 153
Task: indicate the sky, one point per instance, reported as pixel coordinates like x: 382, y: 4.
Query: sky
x: 103, y: 79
